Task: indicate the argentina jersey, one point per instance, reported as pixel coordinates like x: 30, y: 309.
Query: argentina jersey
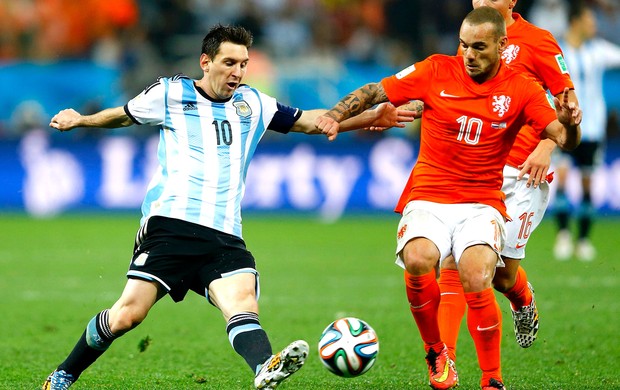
x: 205, y: 148
x: 587, y: 65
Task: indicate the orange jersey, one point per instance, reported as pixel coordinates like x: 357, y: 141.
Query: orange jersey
x: 467, y: 128
x: 535, y: 52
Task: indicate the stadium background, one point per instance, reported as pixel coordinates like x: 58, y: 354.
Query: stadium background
x: 308, y: 53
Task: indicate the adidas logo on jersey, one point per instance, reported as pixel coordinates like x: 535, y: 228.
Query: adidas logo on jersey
x: 189, y: 107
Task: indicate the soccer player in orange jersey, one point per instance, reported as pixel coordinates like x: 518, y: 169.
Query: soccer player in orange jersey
x: 536, y: 53
x: 474, y: 107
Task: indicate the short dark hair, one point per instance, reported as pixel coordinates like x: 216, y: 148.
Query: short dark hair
x: 487, y: 14
x: 219, y: 34
x: 576, y: 10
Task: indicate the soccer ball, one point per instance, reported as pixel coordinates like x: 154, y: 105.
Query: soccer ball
x: 348, y: 347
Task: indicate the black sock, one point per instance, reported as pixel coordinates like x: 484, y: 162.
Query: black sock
x: 94, y: 342
x: 586, y: 211
x: 249, y: 339
x: 562, y: 210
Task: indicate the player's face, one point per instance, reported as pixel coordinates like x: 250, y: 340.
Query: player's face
x: 223, y: 74
x: 503, y: 6
x: 588, y: 24
x: 481, y: 50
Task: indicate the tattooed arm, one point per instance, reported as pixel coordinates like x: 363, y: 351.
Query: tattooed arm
x: 417, y: 106
x: 353, y: 104
x: 414, y: 108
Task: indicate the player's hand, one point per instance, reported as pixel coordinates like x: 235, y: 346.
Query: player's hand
x: 328, y: 126
x: 387, y: 116
x: 65, y: 120
x: 415, y: 106
x: 537, y: 166
x: 569, y: 113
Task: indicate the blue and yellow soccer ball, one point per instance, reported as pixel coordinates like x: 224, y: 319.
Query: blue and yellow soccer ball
x: 348, y: 347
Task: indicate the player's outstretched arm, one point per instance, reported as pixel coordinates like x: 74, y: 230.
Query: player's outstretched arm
x: 413, y: 108
x: 384, y: 115
x: 565, y: 131
x: 305, y: 123
x: 351, y: 105
x: 109, y: 118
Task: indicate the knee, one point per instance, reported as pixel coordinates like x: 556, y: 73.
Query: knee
x: 418, y: 265
x: 449, y: 263
x: 125, y: 319
x: 475, y: 280
x: 245, y: 302
x: 420, y: 256
x: 241, y: 304
x: 506, y: 277
x: 502, y: 284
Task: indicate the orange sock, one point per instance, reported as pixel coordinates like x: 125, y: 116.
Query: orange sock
x: 519, y: 295
x: 451, y: 308
x: 484, y: 320
x: 423, y: 295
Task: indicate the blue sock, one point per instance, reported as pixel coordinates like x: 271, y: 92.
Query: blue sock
x: 98, y: 333
x: 93, y: 343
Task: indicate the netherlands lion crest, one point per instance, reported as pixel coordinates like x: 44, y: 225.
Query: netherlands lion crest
x: 501, y: 104
x: 243, y: 108
x: 510, y: 53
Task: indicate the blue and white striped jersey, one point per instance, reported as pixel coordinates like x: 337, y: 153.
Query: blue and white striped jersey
x: 205, y: 148
x: 586, y: 65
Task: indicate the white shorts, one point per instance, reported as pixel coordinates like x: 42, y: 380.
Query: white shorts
x: 526, y: 207
x: 451, y: 227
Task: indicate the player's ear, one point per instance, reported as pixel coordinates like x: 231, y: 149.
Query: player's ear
x: 204, y: 62
x: 512, y: 4
x: 503, y: 42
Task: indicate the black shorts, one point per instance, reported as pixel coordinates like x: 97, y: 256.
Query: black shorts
x: 586, y: 155
x: 183, y: 256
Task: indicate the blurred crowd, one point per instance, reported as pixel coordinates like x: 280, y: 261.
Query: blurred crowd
x: 383, y: 31
x: 145, y: 38
x: 163, y: 32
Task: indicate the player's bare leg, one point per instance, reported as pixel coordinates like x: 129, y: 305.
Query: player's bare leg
x: 128, y: 312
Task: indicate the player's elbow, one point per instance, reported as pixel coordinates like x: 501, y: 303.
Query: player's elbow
x: 572, y: 139
x: 566, y: 137
x: 569, y: 146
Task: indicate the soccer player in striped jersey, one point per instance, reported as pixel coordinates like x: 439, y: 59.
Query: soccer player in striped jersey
x: 474, y: 107
x: 190, y: 234
x: 536, y: 53
x: 587, y: 58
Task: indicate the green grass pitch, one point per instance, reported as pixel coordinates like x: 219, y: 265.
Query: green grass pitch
x: 55, y: 274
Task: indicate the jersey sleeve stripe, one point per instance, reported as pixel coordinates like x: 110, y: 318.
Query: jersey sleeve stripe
x: 133, y: 119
